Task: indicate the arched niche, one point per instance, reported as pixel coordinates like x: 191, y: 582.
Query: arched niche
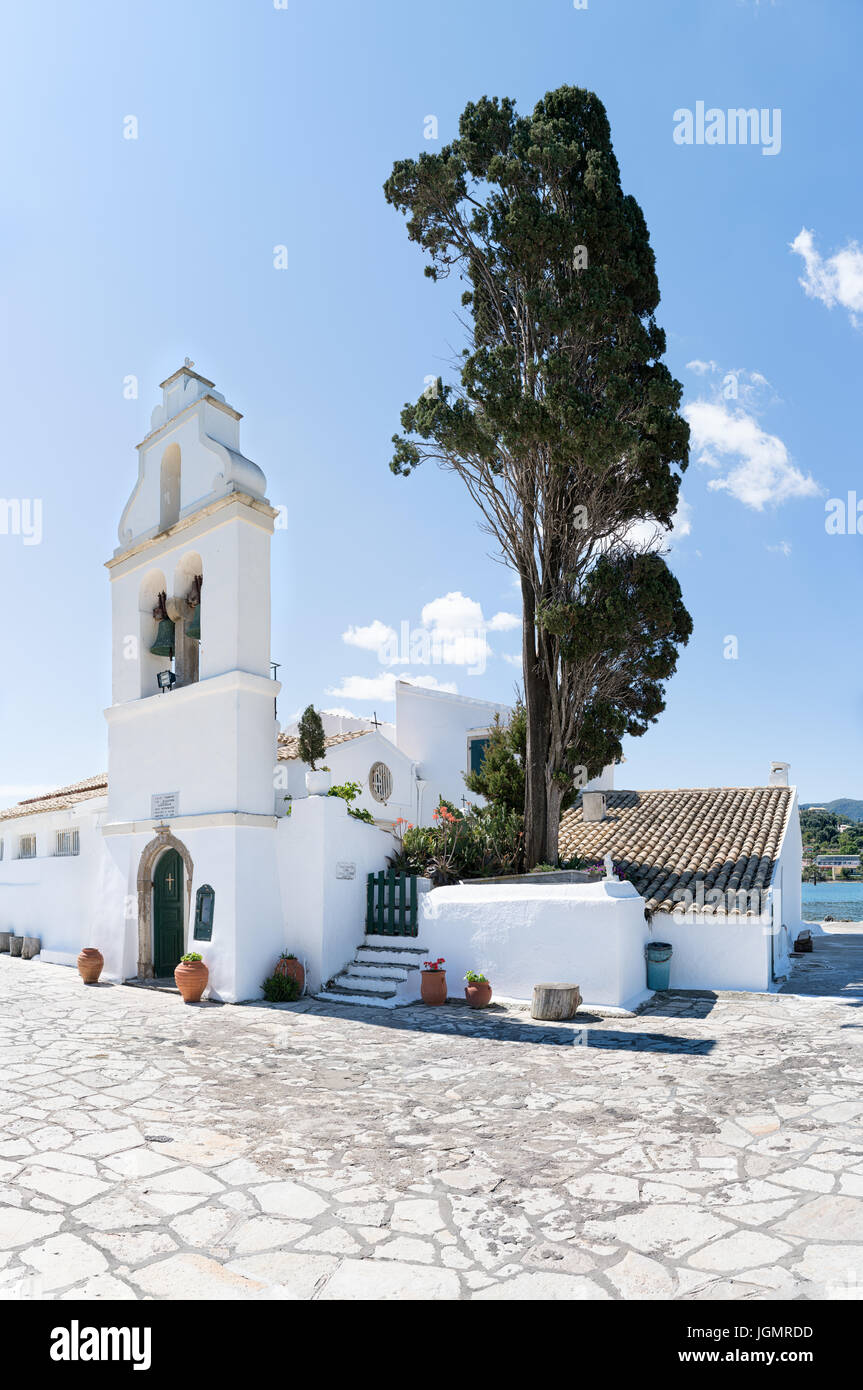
x: 149, y: 665
x: 169, y: 487
x: 186, y: 574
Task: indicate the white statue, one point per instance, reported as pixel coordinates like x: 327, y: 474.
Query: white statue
x: 609, y: 867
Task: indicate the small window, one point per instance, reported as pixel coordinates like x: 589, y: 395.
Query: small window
x: 27, y: 847
x: 476, y: 753
x: 380, y: 782
x: 1, y: 850
x: 67, y: 842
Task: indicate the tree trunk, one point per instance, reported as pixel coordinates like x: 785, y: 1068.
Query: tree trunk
x: 554, y: 802
x: 537, y: 707
x: 555, y: 1002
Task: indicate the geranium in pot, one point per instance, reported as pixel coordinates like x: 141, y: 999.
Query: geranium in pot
x: 477, y: 990
x: 433, y: 981
x: 191, y: 977
x: 312, y: 747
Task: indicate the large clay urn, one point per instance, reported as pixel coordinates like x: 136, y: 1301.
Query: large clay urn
x: 191, y: 978
x: 478, y: 996
x: 293, y: 969
x: 433, y: 986
x: 90, y: 963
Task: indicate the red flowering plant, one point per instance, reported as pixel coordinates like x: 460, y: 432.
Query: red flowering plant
x: 476, y: 842
x: 439, y: 964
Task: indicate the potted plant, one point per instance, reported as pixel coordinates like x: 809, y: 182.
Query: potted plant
x: 477, y: 990
x: 90, y: 963
x: 312, y: 747
x: 191, y: 977
x: 292, y: 968
x: 433, y: 981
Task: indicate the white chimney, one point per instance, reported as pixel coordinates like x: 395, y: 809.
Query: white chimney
x: 592, y: 806
x: 779, y: 774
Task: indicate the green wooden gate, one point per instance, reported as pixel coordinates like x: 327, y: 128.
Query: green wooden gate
x: 391, y: 904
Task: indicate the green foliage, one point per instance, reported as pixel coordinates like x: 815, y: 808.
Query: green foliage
x: 474, y: 977
x: 480, y: 842
x: 821, y: 835
x: 280, y: 989
x: 500, y: 779
x: 312, y: 744
x: 191, y: 956
x: 349, y: 791
x: 564, y: 423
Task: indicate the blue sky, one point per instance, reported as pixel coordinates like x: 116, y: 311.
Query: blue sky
x: 260, y: 127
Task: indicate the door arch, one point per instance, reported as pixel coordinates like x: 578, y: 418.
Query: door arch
x: 147, y: 866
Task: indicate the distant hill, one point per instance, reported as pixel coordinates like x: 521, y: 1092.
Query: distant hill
x: 842, y: 806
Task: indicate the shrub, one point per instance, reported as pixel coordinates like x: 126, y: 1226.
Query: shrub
x: 279, y: 989
x: 479, y: 842
x: 312, y: 744
x: 191, y: 956
x: 349, y: 791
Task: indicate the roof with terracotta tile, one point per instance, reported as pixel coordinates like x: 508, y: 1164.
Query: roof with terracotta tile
x: 289, y: 744
x: 722, y: 838
x: 59, y: 800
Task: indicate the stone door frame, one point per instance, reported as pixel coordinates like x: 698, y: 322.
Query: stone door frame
x: 164, y: 839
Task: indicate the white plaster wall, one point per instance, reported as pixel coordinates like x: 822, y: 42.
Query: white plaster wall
x: 352, y: 762
x: 325, y: 913
x: 519, y: 935
x: 214, y: 742
x: 432, y: 729
x: 715, y: 952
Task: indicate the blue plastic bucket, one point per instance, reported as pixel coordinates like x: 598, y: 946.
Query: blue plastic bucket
x: 658, y: 964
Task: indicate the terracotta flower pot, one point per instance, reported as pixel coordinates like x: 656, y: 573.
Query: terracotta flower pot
x: 433, y: 986
x: 90, y: 963
x: 191, y: 977
x: 478, y: 995
x: 293, y: 970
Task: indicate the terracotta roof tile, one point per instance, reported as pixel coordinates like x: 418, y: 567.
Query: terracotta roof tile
x: 723, y: 838
x: 289, y: 744
x: 59, y: 800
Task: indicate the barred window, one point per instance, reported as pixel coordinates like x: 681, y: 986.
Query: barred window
x: 67, y: 842
x: 380, y: 782
x: 27, y: 847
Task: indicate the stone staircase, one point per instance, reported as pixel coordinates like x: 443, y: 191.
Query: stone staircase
x: 384, y: 973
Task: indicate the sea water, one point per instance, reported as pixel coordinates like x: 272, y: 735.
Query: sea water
x: 844, y: 901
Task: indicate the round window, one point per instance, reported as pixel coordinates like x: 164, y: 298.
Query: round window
x: 380, y: 782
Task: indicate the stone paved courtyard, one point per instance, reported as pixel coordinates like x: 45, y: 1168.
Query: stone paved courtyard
x: 711, y: 1147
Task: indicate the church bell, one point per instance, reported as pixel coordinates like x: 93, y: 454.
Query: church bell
x: 193, y: 626
x: 164, y: 643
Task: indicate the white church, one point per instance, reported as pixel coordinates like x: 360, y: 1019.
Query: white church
x: 203, y: 789
x: 202, y: 835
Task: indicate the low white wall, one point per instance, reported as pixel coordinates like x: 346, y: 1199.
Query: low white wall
x: 52, y: 896
x: 519, y: 935
x: 715, y: 952
x: 323, y: 857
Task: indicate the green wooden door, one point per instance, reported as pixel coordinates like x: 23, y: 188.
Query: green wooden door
x: 167, y: 914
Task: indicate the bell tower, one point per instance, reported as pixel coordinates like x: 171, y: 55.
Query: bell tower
x: 192, y: 715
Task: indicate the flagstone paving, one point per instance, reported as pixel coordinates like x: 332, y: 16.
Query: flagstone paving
x: 711, y: 1147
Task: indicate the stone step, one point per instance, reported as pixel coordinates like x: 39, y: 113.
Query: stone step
x: 377, y: 1001
x: 385, y: 970
x: 338, y: 988
x: 368, y: 984
x: 393, y: 943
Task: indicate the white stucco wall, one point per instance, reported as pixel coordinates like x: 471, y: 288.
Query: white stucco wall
x: 715, y: 952
x: 432, y: 729
x: 352, y: 762
x: 53, y: 896
x: 318, y: 845
x: 519, y: 935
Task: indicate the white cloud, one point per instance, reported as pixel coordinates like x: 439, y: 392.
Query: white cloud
x: 514, y: 659
x: 649, y: 535
x: 757, y: 466
x: 371, y: 638
x: 504, y: 622
x: 702, y: 368
x: 836, y: 279
x: 783, y: 548
x: 383, y: 687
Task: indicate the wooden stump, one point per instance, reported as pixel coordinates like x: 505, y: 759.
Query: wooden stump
x: 555, y: 1002
x: 31, y: 947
